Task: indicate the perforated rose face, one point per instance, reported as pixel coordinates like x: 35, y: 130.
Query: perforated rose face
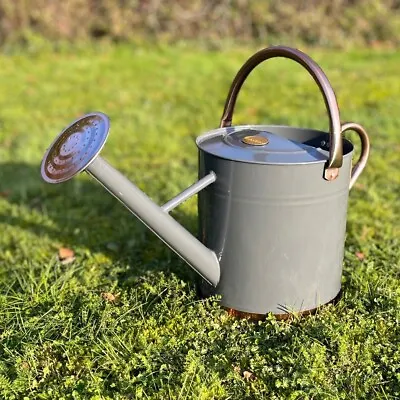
x: 75, y: 147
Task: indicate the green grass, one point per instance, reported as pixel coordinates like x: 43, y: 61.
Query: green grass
x: 60, y: 339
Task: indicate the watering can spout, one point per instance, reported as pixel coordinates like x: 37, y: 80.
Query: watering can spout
x: 77, y: 148
x: 157, y: 219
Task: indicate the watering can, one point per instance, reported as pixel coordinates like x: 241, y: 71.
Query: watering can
x: 272, y: 201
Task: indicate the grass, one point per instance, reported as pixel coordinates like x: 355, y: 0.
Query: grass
x: 62, y: 339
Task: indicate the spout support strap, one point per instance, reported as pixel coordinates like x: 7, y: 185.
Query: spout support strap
x: 189, y: 192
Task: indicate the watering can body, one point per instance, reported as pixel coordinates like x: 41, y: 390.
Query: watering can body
x: 278, y: 230
x: 272, y: 201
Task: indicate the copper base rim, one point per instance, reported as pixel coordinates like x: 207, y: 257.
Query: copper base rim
x: 281, y: 317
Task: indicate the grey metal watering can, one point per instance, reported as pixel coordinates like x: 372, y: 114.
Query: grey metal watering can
x: 272, y: 201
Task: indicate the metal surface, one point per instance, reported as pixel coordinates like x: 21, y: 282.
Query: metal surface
x: 278, y: 230
x: 362, y: 161
x: 282, y: 147
x: 335, y: 150
x: 75, y: 147
x: 189, y: 192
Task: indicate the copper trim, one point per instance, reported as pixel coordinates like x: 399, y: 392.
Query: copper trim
x: 255, y: 140
x: 331, y: 174
x: 362, y: 161
x: 281, y: 317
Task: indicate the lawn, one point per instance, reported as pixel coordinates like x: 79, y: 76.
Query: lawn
x: 123, y: 320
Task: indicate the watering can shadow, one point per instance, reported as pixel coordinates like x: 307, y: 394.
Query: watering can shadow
x: 26, y: 190
x: 260, y: 186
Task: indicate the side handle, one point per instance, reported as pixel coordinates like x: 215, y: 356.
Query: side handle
x: 365, y: 146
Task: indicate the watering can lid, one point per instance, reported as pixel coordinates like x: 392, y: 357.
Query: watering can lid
x: 255, y: 144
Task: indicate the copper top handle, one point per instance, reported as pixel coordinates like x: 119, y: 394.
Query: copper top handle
x: 336, y: 144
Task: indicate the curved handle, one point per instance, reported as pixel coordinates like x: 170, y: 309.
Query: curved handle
x: 336, y: 144
x: 362, y: 161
